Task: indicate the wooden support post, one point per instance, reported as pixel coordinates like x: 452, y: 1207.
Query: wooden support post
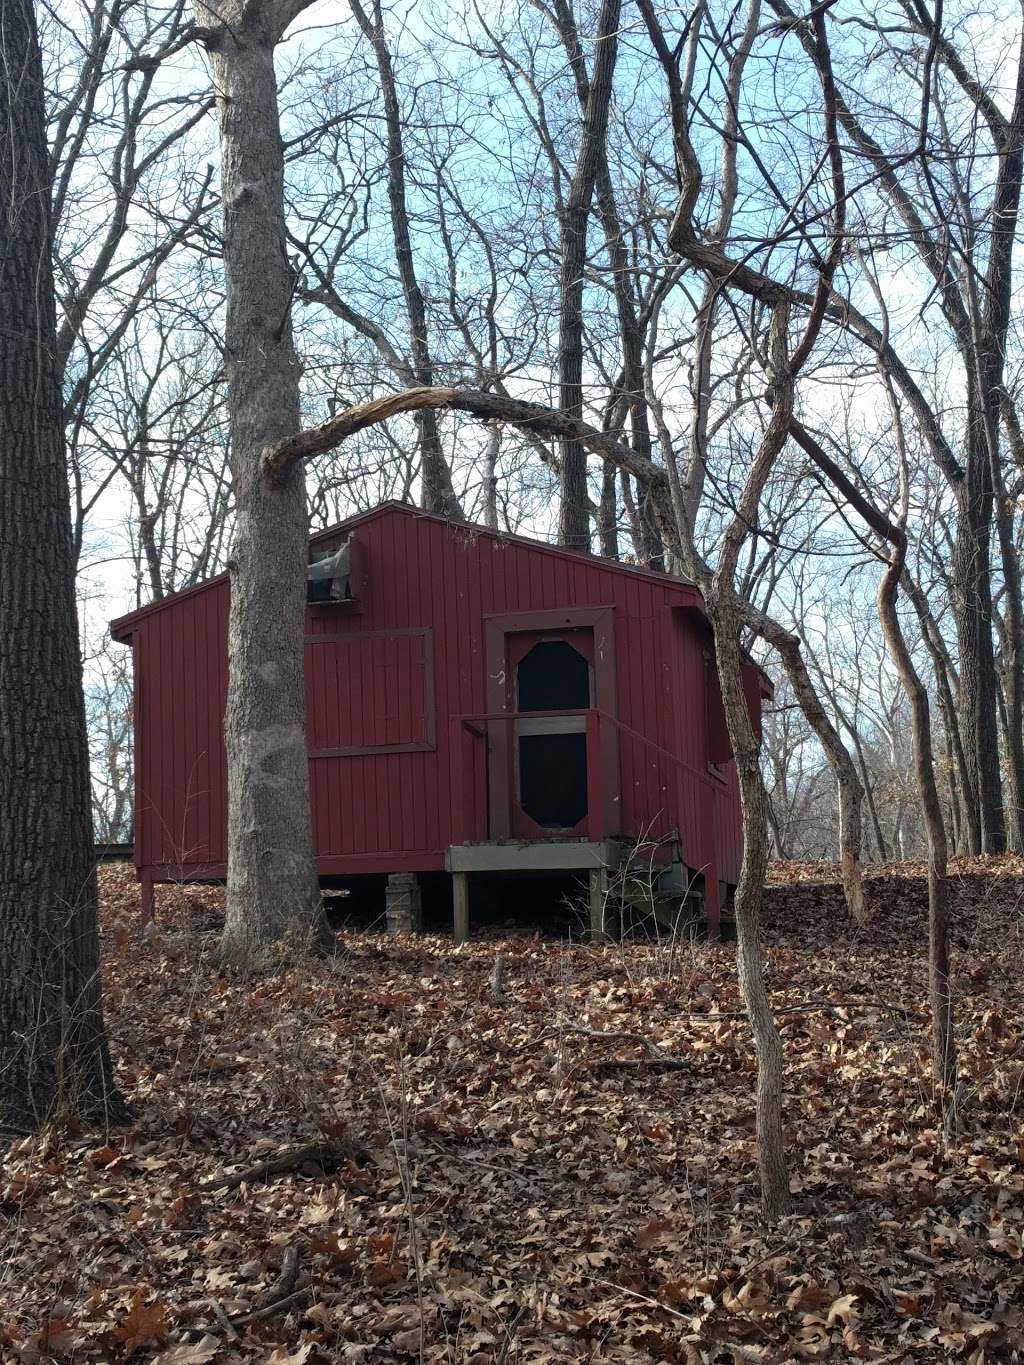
x: 147, y: 899
x: 460, y: 905
x: 598, y: 904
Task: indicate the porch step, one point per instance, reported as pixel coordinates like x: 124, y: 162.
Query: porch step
x: 535, y: 855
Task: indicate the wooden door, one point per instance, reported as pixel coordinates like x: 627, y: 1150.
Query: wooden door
x: 509, y: 638
x: 550, y: 672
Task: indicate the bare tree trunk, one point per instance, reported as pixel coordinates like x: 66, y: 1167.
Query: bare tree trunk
x: 771, y: 1150
x: 438, y: 491
x: 147, y: 526
x: 607, y: 513
x: 848, y: 783
x: 574, y: 514
x: 1012, y: 662
x: 964, y: 800
x: 1013, y: 642
x: 53, y: 1045
x: 943, y: 1043
x: 972, y: 611
x: 490, y: 478
x: 273, y: 890
x: 779, y: 845
x: 724, y: 610
x: 647, y: 535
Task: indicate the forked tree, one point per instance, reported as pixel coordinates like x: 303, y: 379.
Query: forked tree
x: 53, y: 1047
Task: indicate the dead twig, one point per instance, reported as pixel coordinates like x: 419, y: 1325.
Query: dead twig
x: 285, y: 1284
x: 224, y: 1320
x: 809, y: 1006
x: 300, y: 1297
x: 642, y: 1063
x: 650, y: 1048
x: 321, y: 1157
x: 654, y: 1052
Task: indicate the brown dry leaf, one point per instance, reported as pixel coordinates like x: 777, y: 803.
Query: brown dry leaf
x: 144, y: 1324
x: 282, y: 1356
x: 407, y: 1341
x: 190, y: 1353
x: 843, y: 1309
x: 57, y: 1338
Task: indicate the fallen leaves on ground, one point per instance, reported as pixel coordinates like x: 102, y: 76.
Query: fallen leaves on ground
x: 516, y: 1199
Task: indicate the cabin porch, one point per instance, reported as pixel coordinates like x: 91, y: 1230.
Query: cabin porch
x: 595, y: 857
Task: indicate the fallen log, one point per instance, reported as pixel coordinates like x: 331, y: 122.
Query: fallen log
x: 322, y: 1158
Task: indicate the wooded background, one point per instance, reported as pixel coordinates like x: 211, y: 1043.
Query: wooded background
x: 481, y: 198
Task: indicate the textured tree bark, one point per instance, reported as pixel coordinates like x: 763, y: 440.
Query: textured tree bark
x: 574, y: 512
x: 53, y: 1048
x: 1011, y: 629
x: 490, y: 475
x: 273, y: 893
x: 607, y: 513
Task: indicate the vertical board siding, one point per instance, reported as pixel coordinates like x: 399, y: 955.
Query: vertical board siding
x: 371, y: 678
x: 368, y: 691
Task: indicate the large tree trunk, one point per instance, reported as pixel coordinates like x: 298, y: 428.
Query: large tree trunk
x: 607, y: 513
x: 273, y: 893
x: 1012, y: 671
x: 53, y: 1048
x: 972, y: 611
x: 647, y: 534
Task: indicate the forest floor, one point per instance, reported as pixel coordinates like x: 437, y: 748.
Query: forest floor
x: 507, y: 1188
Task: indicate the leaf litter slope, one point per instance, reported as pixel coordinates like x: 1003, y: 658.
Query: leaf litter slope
x: 526, y: 1192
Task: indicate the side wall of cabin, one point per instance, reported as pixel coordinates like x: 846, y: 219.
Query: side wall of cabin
x: 179, y: 655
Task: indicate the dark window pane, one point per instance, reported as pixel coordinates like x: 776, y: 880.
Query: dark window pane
x: 553, y: 677
x: 553, y: 779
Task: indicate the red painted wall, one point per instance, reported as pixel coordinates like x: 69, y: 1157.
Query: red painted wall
x: 383, y: 681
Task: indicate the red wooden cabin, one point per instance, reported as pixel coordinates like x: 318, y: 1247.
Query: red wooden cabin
x: 480, y: 704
